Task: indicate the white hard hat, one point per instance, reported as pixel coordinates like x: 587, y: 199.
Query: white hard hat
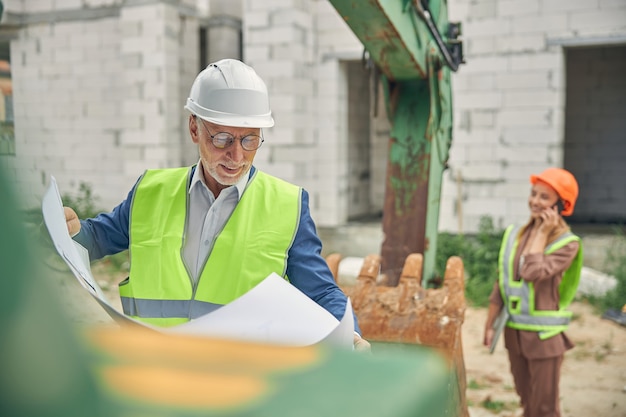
x: 230, y: 93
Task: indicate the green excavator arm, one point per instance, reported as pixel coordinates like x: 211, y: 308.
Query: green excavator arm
x: 415, y: 48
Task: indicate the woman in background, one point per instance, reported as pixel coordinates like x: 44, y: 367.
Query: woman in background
x: 539, y: 270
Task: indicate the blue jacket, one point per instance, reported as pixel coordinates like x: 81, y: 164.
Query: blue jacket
x: 107, y: 234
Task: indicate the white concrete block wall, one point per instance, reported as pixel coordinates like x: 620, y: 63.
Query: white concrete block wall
x: 335, y: 43
x: 510, y: 99
x: 331, y: 208
x: 189, y: 67
x: 279, y: 43
x: 99, y: 99
x: 67, y: 105
x: 129, y: 76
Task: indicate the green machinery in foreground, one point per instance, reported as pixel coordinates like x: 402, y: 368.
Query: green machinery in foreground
x: 414, y: 47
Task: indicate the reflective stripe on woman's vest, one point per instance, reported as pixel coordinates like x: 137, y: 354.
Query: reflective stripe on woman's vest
x: 519, y: 296
x: 253, y: 244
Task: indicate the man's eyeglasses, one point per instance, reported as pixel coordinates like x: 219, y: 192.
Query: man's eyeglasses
x: 222, y: 140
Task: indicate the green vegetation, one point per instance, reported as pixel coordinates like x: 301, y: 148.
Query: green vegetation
x: 83, y: 203
x: 473, y: 384
x: 616, y: 264
x: 498, y: 406
x: 480, y: 258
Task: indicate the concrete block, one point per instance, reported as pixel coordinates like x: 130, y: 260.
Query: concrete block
x: 140, y: 45
x: 482, y: 171
x: 487, y: 27
x: 257, y: 19
x: 607, y: 4
x: 564, y: 6
x: 517, y: 189
x: 147, y: 12
x: 537, y: 61
x: 479, y: 10
x: 482, y: 45
x: 607, y: 22
x: 289, y: 51
x: 477, y: 137
x: 301, y: 18
x: 517, y: 8
x: 303, y: 86
x: 479, y: 154
x: 275, y: 70
x: 277, y: 35
x: 68, y: 4
x: 481, y: 82
x: 531, y: 118
x: 520, y: 43
x: 530, y: 135
x: 70, y: 28
x: 478, y: 207
x: 521, y: 152
x: 487, y: 64
x: 482, y: 118
x: 97, y: 3
x: 480, y: 100
x: 523, y: 80
x: 38, y: 6
x: 55, y: 42
x: 520, y: 171
x: 330, y: 21
x: 255, y: 53
x: 336, y: 42
x: 555, y: 22
x: 460, y: 11
x: 530, y: 98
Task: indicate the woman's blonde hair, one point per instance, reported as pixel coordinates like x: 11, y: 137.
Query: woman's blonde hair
x: 561, y: 228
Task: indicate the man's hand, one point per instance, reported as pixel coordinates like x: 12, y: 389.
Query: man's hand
x: 72, y: 221
x: 361, y: 344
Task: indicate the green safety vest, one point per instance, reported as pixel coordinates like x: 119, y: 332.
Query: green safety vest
x: 253, y: 244
x: 519, y: 296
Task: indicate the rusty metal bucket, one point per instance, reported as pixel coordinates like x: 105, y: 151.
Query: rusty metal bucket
x: 410, y: 314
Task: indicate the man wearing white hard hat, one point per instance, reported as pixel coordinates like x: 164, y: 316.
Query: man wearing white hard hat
x: 201, y: 236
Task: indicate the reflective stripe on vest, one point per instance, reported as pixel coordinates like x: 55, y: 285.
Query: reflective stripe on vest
x: 519, y: 296
x: 254, y: 243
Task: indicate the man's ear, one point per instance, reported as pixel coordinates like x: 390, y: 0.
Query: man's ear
x: 193, y: 129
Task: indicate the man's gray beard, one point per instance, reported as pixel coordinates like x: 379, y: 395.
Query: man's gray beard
x: 215, y: 176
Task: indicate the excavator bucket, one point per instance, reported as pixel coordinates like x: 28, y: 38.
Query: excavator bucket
x: 410, y: 314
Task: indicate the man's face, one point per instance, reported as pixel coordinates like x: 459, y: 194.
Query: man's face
x: 222, y: 167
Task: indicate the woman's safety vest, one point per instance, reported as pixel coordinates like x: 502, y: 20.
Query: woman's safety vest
x: 253, y: 244
x: 519, y: 296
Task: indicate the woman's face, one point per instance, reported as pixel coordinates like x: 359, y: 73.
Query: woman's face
x: 541, y: 197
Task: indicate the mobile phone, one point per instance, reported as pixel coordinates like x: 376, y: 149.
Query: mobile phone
x: 559, y: 206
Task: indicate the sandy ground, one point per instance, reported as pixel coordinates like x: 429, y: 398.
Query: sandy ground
x: 593, y: 382
x: 593, y: 377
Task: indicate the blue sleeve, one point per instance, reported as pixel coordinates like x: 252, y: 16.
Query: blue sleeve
x: 308, y: 271
x: 107, y: 233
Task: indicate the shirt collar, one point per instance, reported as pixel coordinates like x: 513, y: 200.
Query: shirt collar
x: 198, y: 178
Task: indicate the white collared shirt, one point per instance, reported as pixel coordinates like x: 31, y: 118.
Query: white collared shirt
x: 207, y: 217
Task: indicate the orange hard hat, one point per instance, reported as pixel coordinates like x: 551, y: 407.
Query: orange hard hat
x: 564, y: 183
